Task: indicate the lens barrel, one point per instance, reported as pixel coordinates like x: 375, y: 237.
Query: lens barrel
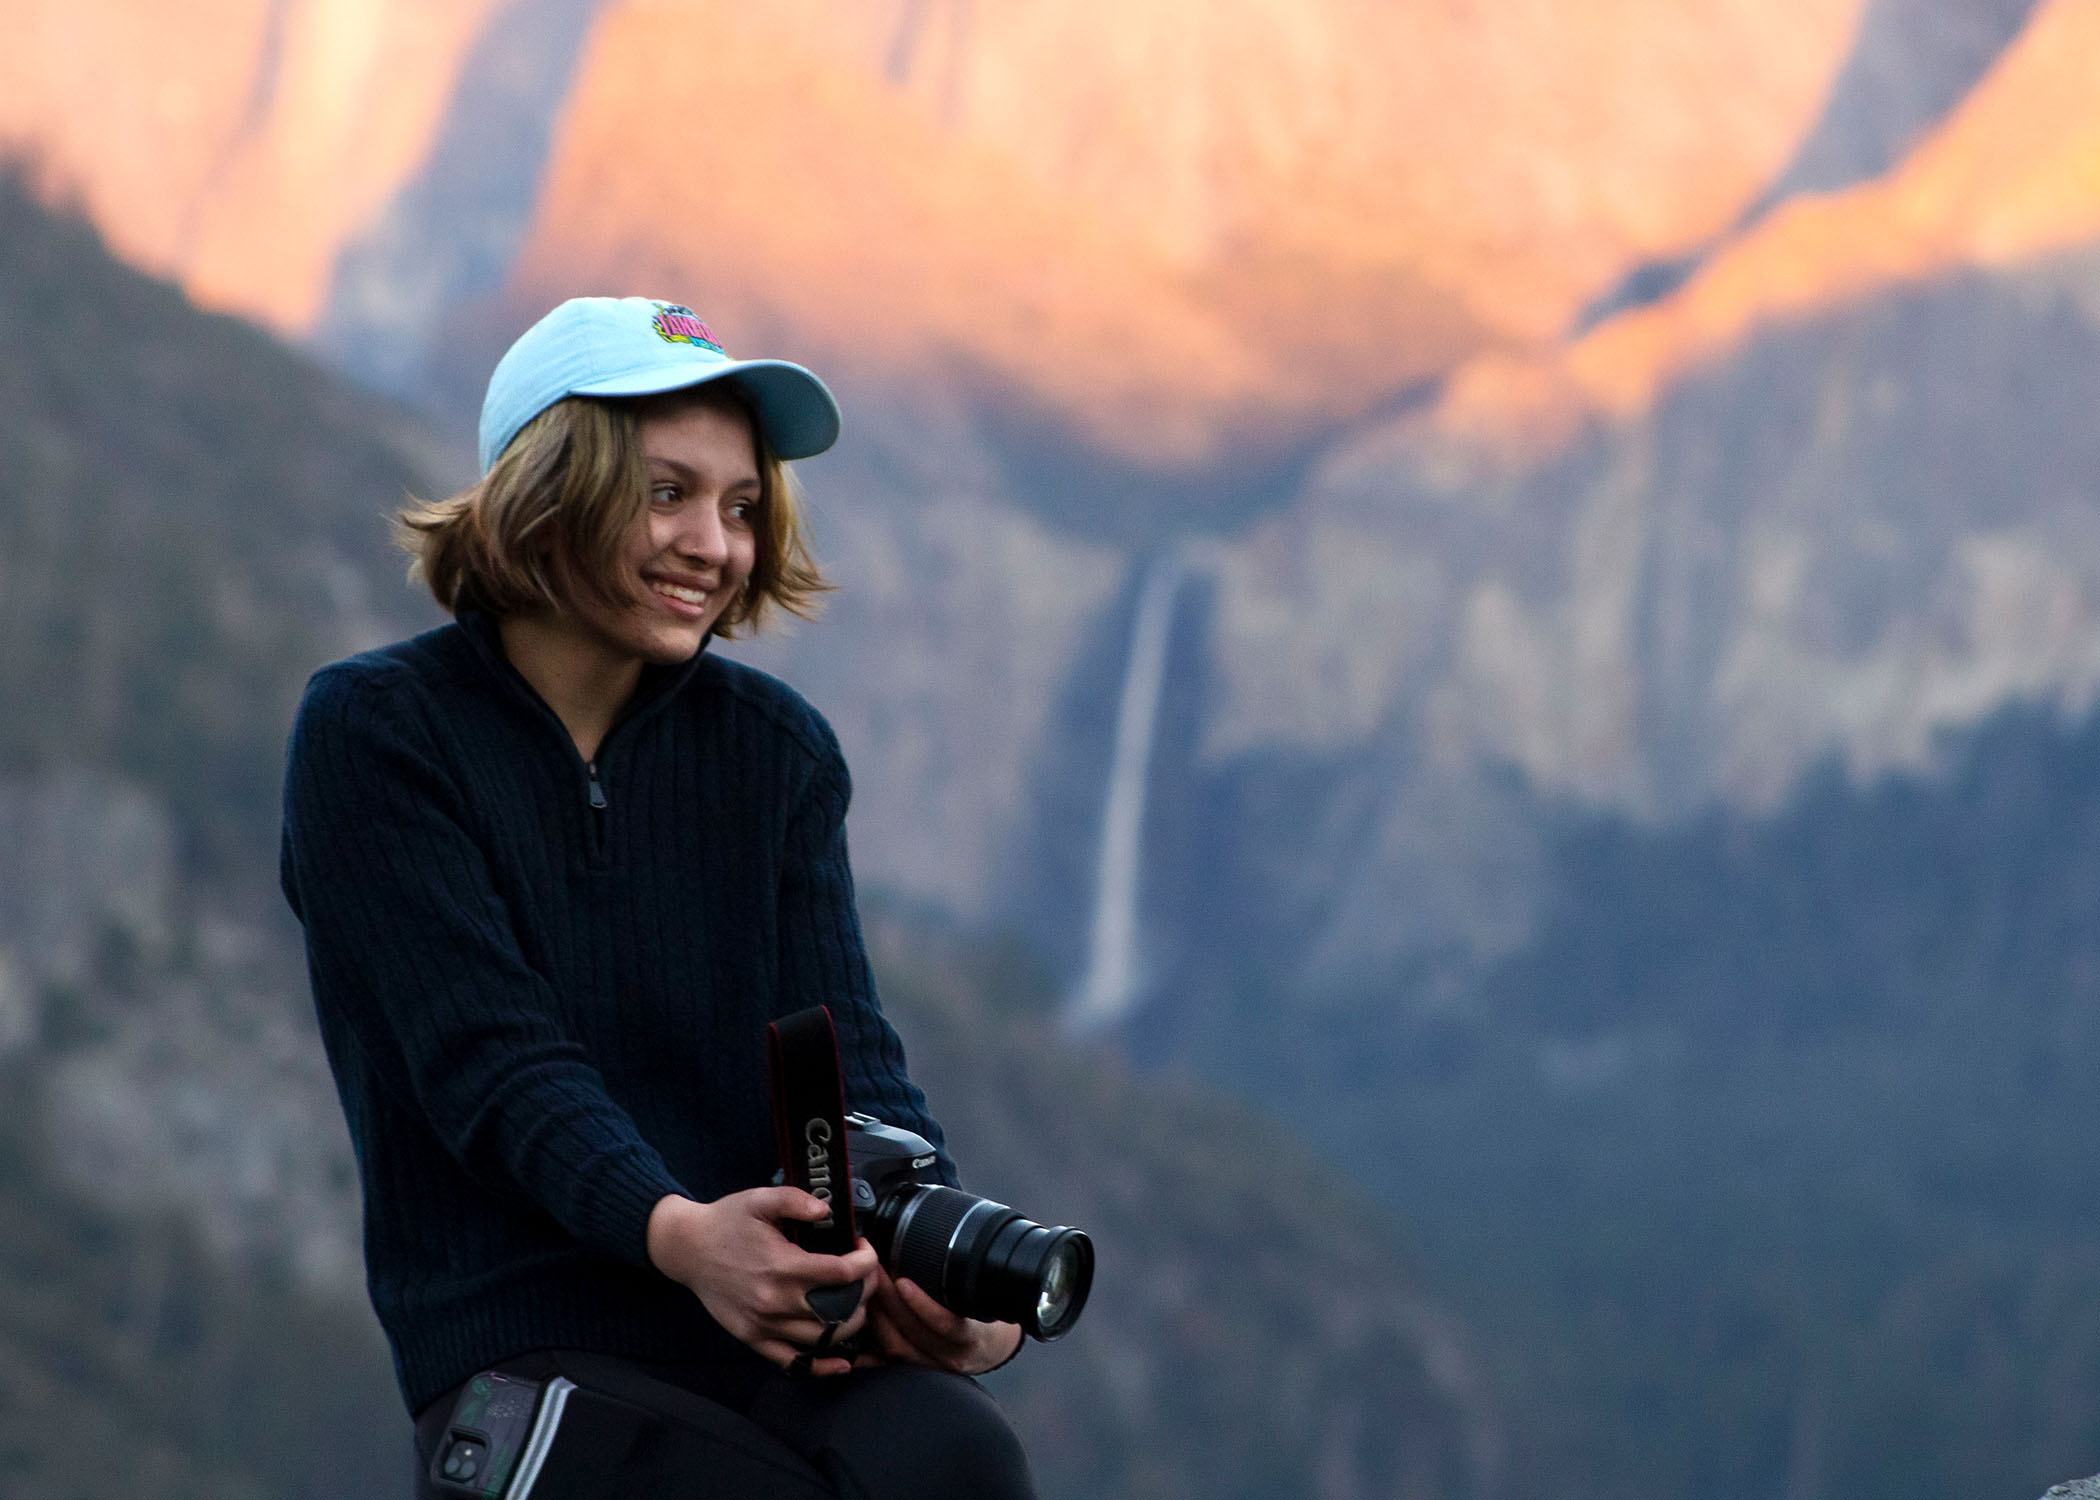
x: 984, y: 1260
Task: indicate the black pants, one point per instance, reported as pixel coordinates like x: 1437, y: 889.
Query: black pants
x: 898, y: 1433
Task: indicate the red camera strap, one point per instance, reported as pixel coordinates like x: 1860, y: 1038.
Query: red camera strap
x: 809, y: 1122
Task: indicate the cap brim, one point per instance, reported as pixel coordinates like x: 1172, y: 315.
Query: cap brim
x: 796, y: 410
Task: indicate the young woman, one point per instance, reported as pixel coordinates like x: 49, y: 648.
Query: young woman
x: 558, y: 866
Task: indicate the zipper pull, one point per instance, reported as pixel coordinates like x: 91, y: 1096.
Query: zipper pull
x: 597, y: 791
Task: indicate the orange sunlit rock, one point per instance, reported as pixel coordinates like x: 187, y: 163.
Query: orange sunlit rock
x: 128, y: 107
x: 800, y: 199
x: 360, y: 97
x: 1177, y: 224
x: 1522, y: 154
x: 2012, y: 177
x: 210, y: 148
x: 1519, y: 405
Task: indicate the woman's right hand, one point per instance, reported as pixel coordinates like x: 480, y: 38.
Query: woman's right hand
x: 734, y: 1256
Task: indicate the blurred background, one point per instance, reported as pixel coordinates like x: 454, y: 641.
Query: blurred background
x: 1468, y: 638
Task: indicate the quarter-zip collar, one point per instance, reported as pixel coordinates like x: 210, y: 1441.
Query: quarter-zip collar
x: 657, y: 686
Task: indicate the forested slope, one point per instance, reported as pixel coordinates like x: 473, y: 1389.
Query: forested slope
x: 1772, y: 1165
x: 191, y: 519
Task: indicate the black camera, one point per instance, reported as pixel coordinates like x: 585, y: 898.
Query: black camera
x: 971, y: 1255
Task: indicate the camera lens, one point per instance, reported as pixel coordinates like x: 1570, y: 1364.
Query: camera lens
x: 1054, y: 1297
x: 984, y: 1260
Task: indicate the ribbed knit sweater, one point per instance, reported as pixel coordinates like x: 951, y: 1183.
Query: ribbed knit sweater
x: 543, y: 984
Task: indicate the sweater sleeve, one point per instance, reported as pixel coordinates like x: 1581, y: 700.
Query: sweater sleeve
x: 414, y: 956
x: 823, y: 960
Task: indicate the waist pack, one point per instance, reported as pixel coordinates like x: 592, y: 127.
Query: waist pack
x: 572, y: 1426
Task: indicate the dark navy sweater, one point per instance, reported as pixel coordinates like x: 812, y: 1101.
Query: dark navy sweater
x: 543, y: 985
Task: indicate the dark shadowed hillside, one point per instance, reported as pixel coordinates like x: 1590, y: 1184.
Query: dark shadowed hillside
x: 134, y: 1360
x: 191, y: 519
x: 1251, y: 1299
x: 1771, y: 1166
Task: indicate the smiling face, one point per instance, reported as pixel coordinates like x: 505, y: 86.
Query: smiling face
x: 691, y: 552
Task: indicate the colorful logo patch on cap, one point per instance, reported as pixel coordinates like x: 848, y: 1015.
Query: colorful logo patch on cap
x: 681, y: 325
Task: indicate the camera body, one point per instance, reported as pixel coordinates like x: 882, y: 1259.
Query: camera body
x: 971, y: 1255
x: 885, y: 1159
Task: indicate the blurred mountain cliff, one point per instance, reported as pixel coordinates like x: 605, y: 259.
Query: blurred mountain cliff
x: 1184, y: 232
x: 194, y: 519
x: 1353, y: 292
x: 1670, y: 421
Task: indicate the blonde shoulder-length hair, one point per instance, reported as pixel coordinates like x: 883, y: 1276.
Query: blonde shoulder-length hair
x: 552, y: 514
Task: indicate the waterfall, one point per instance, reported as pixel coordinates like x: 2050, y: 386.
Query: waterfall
x: 1109, y: 989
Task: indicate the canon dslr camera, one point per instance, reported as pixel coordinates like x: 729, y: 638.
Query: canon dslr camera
x: 971, y: 1255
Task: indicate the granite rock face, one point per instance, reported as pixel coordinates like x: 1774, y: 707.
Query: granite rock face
x: 156, y: 1041
x: 2075, y: 1489
x: 1861, y: 534
x: 1843, y: 537
x: 178, y: 1071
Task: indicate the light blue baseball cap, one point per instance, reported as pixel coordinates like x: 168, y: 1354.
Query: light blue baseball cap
x: 636, y: 346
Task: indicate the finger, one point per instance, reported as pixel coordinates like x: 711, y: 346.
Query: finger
x: 782, y: 1350
x: 942, y: 1322
x: 783, y: 1354
x: 845, y: 1328
x: 827, y: 1364
x: 883, y: 1328
x: 799, y: 1269
x: 857, y: 1264
x: 803, y: 1332
x: 896, y: 1348
x: 879, y: 1284
x: 800, y: 1305
x: 789, y: 1305
x: 785, y: 1202
x: 930, y: 1344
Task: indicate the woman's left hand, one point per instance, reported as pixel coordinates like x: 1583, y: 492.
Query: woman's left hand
x: 906, y: 1326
